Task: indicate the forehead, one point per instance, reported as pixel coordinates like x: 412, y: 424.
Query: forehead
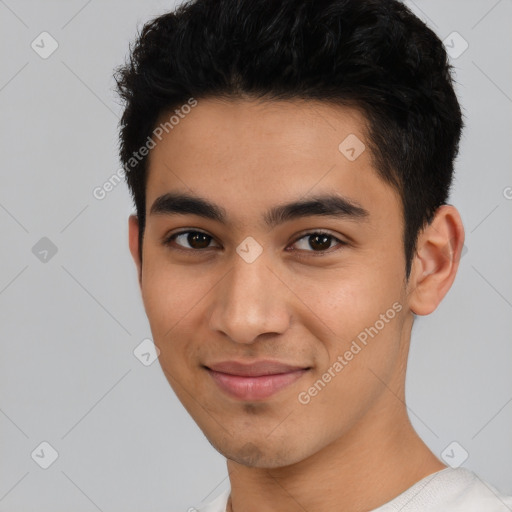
x: 252, y: 154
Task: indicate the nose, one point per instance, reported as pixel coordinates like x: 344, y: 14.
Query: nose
x: 249, y: 301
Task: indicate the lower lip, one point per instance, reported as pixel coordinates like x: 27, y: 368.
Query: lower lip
x: 254, y: 388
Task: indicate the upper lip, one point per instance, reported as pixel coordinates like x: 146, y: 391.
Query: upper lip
x: 255, y: 369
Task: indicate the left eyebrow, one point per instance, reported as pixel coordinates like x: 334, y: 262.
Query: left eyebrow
x: 327, y: 205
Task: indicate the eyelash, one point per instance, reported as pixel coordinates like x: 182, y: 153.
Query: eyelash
x: 168, y: 239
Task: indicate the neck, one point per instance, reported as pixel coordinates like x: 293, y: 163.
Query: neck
x: 372, y: 464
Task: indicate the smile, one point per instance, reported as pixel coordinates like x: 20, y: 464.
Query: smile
x: 256, y: 381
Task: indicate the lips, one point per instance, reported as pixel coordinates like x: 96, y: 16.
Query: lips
x: 254, y: 381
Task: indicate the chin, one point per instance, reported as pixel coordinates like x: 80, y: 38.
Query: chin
x: 260, y: 454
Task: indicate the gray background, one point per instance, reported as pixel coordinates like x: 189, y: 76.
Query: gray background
x: 70, y: 323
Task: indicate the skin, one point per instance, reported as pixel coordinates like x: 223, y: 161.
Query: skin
x: 352, y: 447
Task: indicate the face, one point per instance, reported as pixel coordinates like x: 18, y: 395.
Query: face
x: 279, y: 326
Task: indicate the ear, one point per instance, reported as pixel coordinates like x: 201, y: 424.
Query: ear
x: 438, y: 251
x: 133, y: 240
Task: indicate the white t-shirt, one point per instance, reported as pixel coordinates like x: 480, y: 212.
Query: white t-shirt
x: 447, y: 490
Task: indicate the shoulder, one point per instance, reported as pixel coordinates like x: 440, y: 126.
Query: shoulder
x: 217, y: 505
x: 475, y: 494
x: 450, y: 490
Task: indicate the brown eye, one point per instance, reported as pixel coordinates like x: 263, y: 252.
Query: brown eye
x: 317, y: 241
x: 196, y: 240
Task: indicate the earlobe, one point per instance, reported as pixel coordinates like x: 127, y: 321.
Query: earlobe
x: 438, y: 252
x: 133, y: 241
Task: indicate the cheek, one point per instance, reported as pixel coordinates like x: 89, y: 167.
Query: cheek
x: 170, y: 297
x: 170, y: 293
x: 174, y: 298
x: 343, y: 302
x: 359, y: 367
x: 357, y: 316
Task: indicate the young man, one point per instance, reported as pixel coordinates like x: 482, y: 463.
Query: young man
x: 290, y: 164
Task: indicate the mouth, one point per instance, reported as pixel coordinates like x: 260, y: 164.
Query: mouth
x: 256, y: 381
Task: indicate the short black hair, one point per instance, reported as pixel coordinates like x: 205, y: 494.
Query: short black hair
x: 375, y: 55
